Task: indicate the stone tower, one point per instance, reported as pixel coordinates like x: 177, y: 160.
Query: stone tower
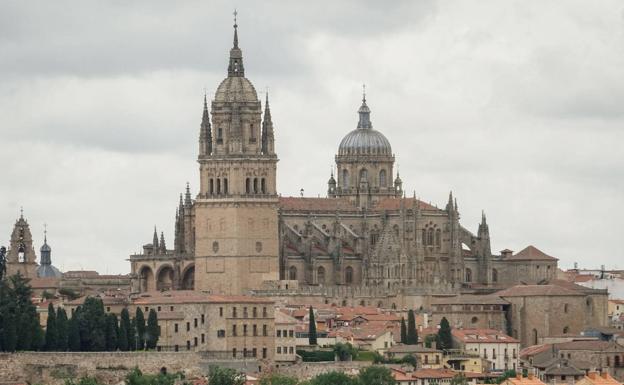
x: 21, y: 255
x: 364, y: 164
x: 236, y: 210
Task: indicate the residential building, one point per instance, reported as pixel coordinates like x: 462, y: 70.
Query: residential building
x: 498, y: 348
x: 595, y: 378
x: 285, y: 340
x: 426, y: 358
x: 520, y: 380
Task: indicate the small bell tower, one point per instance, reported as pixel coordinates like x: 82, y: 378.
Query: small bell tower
x: 21, y: 256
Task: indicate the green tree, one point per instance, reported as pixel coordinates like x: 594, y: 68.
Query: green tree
x: 152, y: 330
x: 73, y: 333
x: 278, y: 379
x: 9, y: 337
x: 412, y: 333
x: 459, y: 379
x: 86, y: 380
x: 430, y: 339
x: 111, y: 332
x: 403, y: 331
x: 445, y: 339
x: 62, y: 332
x: 345, y: 352
x: 125, y: 331
x: 376, y: 375
x: 312, y: 336
x: 51, y: 329
x: 136, y: 377
x: 332, y: 378
x: 224, y: 376
x: 140, y: 329
x: 132, y: 337
x: 92, y: 325
x: 24, y: 313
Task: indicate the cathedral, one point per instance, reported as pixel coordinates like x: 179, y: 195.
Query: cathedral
x: 239, y: 235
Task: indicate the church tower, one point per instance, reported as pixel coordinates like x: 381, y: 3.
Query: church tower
x: 21, y: 255
x: 236, y: 210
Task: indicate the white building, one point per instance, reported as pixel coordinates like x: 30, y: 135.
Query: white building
x: 499, y: 349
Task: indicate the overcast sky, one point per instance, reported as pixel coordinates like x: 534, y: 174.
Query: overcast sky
x: 515, y: 106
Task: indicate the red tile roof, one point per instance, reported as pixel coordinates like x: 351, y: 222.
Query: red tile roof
x: 483, y: 336
x: 531, y: 253
x: 601, y: 379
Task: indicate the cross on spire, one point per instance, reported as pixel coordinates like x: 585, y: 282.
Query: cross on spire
x: 21, y: 212
x: 364, y: 93
x: 235, y: 13
x: 45, y: 232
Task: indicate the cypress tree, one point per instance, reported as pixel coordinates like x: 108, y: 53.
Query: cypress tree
x: 444, y: 334
x: 312, y: 336
x: 51, y: 330
x: 111, y: 332
x: 122, y: 336
x: 153, y: 330
x: 412, y: 334
x: 132, y: 340
x: 140, y: 329
x: 92, y: 325
x: 62, y: 331
x: 10, y: 334
x: 403, y: 331
x: 73, y: 333
x: 128, y: 334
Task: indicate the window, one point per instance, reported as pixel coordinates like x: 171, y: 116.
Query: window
x: 291, y: 333
x: 195, y: 322
x: 245, y: 314
x: 158, y: 308
x: 170, y: 308
x: 279, y: 333
x: 203, y: 319
x: 218, y: 186
x: 438, y: 237
x: 220, y: 333
x: 349, y: 275
x: 292, y: 273
x: 255, y: 185
x: 468, y: 275
x: 234, y: 315
x: 255, y: 330
x: 176, y: 348
x: 382, y: 178
x: 264, y: 352
x: 195, y: 341
x: 247, y: 186
x: 264, y: 312
x: 188, y: 326
x: 203, y: 336
x: 494, y: 275
x: 291, y: 350
x: 234, y: 352
x: 220, y: 312
x: 245, y: 329
x: 234, y: 331
x: 254, y: 352
x: 188, y: 345
x: 108, y: 308
x: 211, y: 186
x: 345, y: 179
x: 263, y: 185
x: 175, y: 328
x: 265, y: 331
x: 363, y: 175
x: 566, y: 330
x: 225, y: 186
x: 255, y: 312
x: 320, y: 275
x: 220, y: 134
x: 565, y: 307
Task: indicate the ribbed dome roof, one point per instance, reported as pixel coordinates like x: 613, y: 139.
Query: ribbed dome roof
x: 364, y: 140
x: 236, y: 88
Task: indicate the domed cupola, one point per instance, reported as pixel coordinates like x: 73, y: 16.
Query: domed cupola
x: 364, y: 164
x: 45, y: 269
x: 364, y: 140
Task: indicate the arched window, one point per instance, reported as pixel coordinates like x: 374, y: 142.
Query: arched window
x: 225, y: 186
x: 468, y: 275
x: 565, y: 307
x: 263, y: 185
x: 430, y: 236
x: 220, y: 133
x: 218, y: 186
x: 320, y: 275
x: 535, y: 342
x: 438, y: 238
x: 348, y: 275
x: 252, y: 134
x: 566, y: 330
x: 247, y: 186
x: 211, y: 186
x: 396, y: 230
x: 363, y: 175
x: 292, y: 273
x: 424, y: 237
x: 382, y: 178
x: 255, y: 185
x: 494, y: 275
x: 345, y: 179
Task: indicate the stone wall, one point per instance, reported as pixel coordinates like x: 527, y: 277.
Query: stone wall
x: 311, y: 369
x: 109, y: 367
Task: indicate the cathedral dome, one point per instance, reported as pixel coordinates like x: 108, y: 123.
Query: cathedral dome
x: 364, y: 140
x: 236, y: 88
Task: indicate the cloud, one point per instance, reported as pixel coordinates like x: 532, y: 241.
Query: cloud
x: 513, y: 106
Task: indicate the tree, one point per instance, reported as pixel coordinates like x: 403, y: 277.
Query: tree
x: 403, y: 331
x: 445, y: 339
x: 125, y: 331
x: 73, y: 333
x: 111, y: 332
x: 459, y: 379
x: 278, y: 379
x: 140, y: 329
x: 51, y: 329
x: 430, y: 339
x: 132, y: 337
x: 376, y: 375
x: 136, y: 377
x: 224, y: 376
x: 62, y: 332
x: 152, y: 330
x: 345, y: 352
x: 332, y: 378
x: 25, y: 313
x: 412, y: 333
x: 312, y: 336
x: 92, y: 325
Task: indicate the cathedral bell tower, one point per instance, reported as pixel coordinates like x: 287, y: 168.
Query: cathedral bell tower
x: 236, y: 210
x: 21, y: 255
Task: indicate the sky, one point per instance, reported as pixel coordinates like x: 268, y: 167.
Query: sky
x: 515, y: 106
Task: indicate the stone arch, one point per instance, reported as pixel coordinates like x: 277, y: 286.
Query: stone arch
x: 320, y: 275
x: 188, y: 278
x: 164, y: 278
x: 382, y: 178
x: 146, y: 279
x: 292, y: 273
x: 380, y: 304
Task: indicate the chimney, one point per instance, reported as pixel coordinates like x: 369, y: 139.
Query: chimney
x: 531, y: 376
x: 592, y: 375
x: 604, y: 375
x: 506, y: 253
x: 519, y: 376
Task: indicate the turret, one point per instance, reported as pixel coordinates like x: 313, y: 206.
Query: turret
x: 398, y: 186
x: 236, y: 68
x: 162, y: 246
x: 268, y: 137
x: 205, y: 132
x: 187, y: 196
x: 331, y: 186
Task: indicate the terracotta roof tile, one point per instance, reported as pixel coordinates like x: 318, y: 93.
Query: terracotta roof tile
x: 519, y: 380
x: 482, y: 336
x: 531, y: 253
x: 600, y: 379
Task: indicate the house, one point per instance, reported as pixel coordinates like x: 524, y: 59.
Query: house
x: 435, y: 377
x: 426, y: 358
x: 519, y: 380
x: 594, y: 378
x: 498, y: 348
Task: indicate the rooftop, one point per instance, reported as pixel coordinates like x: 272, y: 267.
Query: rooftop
x: 531, y: 253
x: 483, y: 336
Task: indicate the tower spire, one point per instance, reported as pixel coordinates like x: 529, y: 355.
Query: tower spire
x: 155, y: 239
x: 364, y: 111
x: 236, y: 55
x: 268, y: 137
x: 187, y: 195
x: 205, y: 131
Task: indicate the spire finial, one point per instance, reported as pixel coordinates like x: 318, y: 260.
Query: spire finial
x: 363, y: 93
x: 21, y: 212
x: 45, y: 233
x: 235, y: 29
